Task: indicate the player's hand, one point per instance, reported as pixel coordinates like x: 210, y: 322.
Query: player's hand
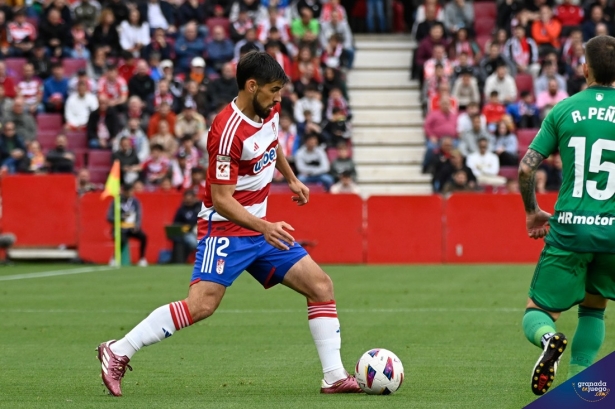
x: 537, y: 223
x: 276, y: 234
x: 301, y: 190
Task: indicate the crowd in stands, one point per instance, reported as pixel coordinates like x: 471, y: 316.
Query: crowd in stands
x: 84, y: 83
x: 490, y: 72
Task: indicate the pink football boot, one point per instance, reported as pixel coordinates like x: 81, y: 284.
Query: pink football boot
x: 113, y: 368
x: 346, y: 385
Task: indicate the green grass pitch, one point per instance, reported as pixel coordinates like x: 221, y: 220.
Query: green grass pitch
x: 455, y: 328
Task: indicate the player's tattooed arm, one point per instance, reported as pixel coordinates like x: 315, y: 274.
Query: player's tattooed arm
x: 527, y: 179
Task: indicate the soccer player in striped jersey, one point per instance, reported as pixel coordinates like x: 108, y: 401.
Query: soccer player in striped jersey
x: 234, y: 234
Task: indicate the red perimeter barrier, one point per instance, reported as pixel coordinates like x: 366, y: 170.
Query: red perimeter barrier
x: 404, y: 229
x: 332, y: 223
x: 40, y: 210
x: 490, y: 229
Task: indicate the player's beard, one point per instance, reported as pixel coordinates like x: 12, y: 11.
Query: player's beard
x: 260, y: 110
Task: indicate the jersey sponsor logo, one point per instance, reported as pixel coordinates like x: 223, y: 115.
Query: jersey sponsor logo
x: 597, y: 220
x: 220, y: 266
x: 223, y: 170
x: 223, y: 158
x: 268, y: 157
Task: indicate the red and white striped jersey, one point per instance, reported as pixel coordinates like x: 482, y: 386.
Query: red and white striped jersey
x: 241, y: 153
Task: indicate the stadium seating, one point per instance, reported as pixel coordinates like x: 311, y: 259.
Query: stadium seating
x: 525, y: 138
x: 98, y: 174
x: 218, y: 21
x: 47, y: 138
x: 71, y: 66
x: 77, y: 140
x: 524, y: 82
x: 14, y: 67
x: 99, y: 158
x: 49, y: 122
x: 509, y: 172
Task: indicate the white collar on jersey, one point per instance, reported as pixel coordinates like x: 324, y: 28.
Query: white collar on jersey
x: 245, y: 118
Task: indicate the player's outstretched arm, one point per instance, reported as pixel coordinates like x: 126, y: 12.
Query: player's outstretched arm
x: 536, y: 220
x: 228, y: 207
x: 295, y: 185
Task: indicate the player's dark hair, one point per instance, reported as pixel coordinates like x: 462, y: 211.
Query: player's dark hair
x: 600, y: 55
x: 261, y: 67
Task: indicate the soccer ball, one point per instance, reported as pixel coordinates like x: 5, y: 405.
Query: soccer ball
x: 379, y: 372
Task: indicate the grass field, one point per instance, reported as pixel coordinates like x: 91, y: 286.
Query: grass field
x: 455, y: 328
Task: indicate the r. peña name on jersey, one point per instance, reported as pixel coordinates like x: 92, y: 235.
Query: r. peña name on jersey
x: 599, y: 114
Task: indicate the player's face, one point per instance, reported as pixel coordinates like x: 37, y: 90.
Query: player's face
x: 266, y: 97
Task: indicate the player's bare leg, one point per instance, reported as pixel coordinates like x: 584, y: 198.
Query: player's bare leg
x: 589, y: 335
x: 203, y: 299
x: 539, y: 328
x: 307, y: 278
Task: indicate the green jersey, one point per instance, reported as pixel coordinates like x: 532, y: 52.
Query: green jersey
x: 582, y: 128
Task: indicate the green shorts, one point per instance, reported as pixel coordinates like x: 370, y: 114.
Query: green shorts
x: 562, y: 278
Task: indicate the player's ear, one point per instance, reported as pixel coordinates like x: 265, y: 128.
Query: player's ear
x: 585, y: 70
x: 251, y: 86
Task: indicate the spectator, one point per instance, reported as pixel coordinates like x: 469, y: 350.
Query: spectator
x: 105, y: 34
x: 439, y: 58
x: 79, y: 107
x: 549, y: 175
x: 129, y: 161
x: 163, y: 113
x: 31, y: 89
x: 97, y: 65
x: 310, y: 102
x: 375, y: 12
x: 129, y: 67
x: 440, y: 123
x: 34, y: 161
x: 468, y: 141
x: 21, y: 35
x: 79, y: 48
x: 193, y: 11
x: 155, y: 69
x: 567, y: 51
x: 7, y: 82
x: 485, y: 165
x: 136, y: 109
x: 458, y: 183
x: 546, y: 30
x: 86, y: 12
x: 163, y: 93
x: 136, y: 136
x: 345, y: 185
x: 240, y: 27
x: 305, y: 30
x: 25, y: 125
x: 141, y: 84
x: 343, y: 163
x: 335, y: 130
x: 160, y: 14
x: 312, y: 163
x: 84, y: 182
x: 336, y: 100
x: 119, y: 9
x: 427, y: 15
x: 464, y: 120
x: 425, y: 49
x: 113, y: 88
x: 546, y: 100
x: 549, y: 72
x: 289, y: 141
x: 462, y: 44
x: 250, y: 42
x: 570, y: 15
x: 156, y: 167
x: 493, y: 110
x: 166, y: 139
x: 459, y: 14
x: 187, y: 216
x: 158, y: 44
x: 305, y: 60
x: 60, y: 159
x: 12, y: 149
x: 523, y: 52
x: 187, y: 148
x: 54, y: 34
x: 338, y: 26
x: 224, y: 89
x: 596, y: 17
x: 525, y: 112
x: 134, y: 33
x: 55, y: 89
x: 192, y: 92
x: 189, y: 45
x: 494, y: 59
x: 180, y: 172
x: 130, y: 227
x: 61, y: 6
x: 506, y: 145
x: 465, y: 89
x: 220, y: 49
x: 503, y: 83
x: 577, y: 81
x: 329, y: 8
x: 103, y: 125
x: 41, y: 62
x: 189, y: 122
x: 197, y: 74
x: 314, y: 6
x: 273, y: 49
x: 333, y: 79
x: 448, y: 165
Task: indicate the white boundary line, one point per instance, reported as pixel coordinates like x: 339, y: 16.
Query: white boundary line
x: 280, y: 311
x: 54, y: 273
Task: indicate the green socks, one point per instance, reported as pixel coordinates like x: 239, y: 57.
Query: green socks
x: 587, y: 340
x: 537, y: 323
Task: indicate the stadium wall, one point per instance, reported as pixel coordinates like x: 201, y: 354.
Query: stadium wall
x: 45, y: 211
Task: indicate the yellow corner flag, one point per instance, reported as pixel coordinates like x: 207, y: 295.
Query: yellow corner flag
x: 112, y: 188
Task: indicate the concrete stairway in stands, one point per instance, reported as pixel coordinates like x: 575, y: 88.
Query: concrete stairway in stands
x: 387, y: 122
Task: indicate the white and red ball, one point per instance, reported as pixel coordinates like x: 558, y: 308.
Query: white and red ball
x: 379, y: 372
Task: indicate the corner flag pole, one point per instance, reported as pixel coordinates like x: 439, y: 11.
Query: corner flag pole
x: 112, y: 188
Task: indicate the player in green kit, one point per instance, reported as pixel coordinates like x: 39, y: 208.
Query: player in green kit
x: 577, y: 264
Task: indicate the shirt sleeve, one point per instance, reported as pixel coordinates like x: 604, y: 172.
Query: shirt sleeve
x: 545, y: 141
x: 224, y: 155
